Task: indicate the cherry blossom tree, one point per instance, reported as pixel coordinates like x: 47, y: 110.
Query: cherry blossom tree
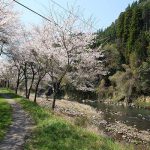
x: 51, y: 51
x: 6, y: 73
x: 8, y: 24
x: 60, y: 45
x: 88, y: 71
x: 20, y: 55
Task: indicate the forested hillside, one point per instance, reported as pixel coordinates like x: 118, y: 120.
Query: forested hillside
x: 127, y: 49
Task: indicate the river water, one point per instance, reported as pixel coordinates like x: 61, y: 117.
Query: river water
x: 139, y: 118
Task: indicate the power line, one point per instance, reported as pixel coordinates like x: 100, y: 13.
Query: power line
x: 56, y: 3
x: 72, y: 13
x: 58, y: 6
x: 36, y: 12
x: 41, y: 4
x: 42, y: 16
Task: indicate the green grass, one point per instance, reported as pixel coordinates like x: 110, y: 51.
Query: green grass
x: 51, y: 132
x: 5, y: 117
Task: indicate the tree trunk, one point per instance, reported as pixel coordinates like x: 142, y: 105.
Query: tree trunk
x: 8, y: 84
x: 26, y: 80
x: 5, y: 84
x: 36, y: 90
x: 29, y: 91
x: 18, y: 81
x: 56, y: 87
x: 54, y: 100
x: 17, y: 86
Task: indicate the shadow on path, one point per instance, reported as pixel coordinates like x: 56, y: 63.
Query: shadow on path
x: 20, y: 128
x: 9, y: 95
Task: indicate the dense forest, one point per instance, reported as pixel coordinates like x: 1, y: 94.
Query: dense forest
x: 126, y: 45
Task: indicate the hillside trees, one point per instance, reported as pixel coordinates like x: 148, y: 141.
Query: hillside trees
x: 136, y: 27
x: 129, y: 46
x: 126, y: 22
x: 144, y: 77
x: 130, y: 81
x: 120, y: 26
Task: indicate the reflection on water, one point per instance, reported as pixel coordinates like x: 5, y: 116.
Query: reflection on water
x: 139, y: 118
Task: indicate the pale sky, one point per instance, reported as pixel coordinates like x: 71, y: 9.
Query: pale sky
x: 104, y: 12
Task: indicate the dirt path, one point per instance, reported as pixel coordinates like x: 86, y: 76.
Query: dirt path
x: 19, y: 130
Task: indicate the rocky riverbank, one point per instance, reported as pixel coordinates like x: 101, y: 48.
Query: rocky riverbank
x: 74, y: 109
x: 128, y: 133
x: 118, y: 130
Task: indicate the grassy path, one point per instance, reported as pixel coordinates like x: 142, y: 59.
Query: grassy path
x: 19, y: 129
x: 5, y: 117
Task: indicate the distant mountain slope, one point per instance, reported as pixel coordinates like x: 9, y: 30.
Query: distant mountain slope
x: 130, y: 31
x: 127, y: 51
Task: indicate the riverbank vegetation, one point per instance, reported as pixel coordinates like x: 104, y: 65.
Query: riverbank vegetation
x: 143, y: 102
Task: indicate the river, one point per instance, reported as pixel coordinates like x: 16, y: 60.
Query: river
x: 139, y: 118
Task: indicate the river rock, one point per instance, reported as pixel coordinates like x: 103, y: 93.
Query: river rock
x: 139, y: 115
x: 129, y: 132
x: 103, y: 122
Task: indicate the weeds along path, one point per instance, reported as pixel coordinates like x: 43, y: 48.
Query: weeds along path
x: 19, y: 130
